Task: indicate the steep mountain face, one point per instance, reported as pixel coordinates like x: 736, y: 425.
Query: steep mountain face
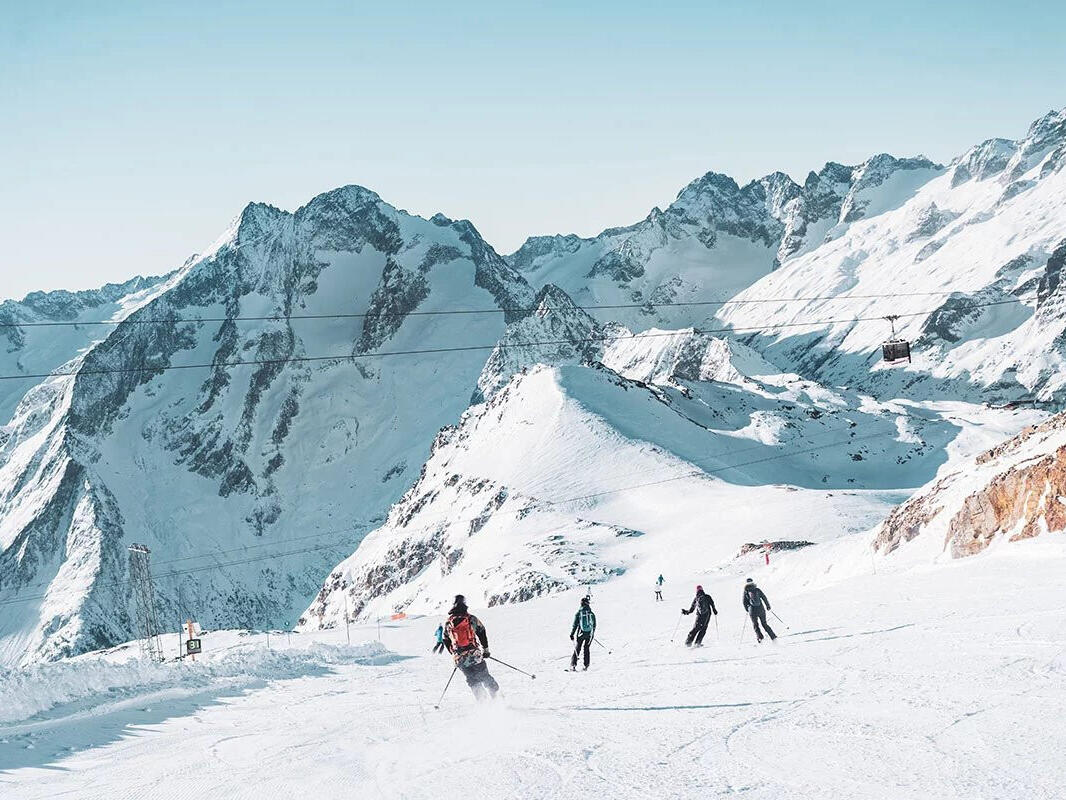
x: 1014, y: 491
x: 973, y: 258
x: 214, y: 436
x: 716, y: 238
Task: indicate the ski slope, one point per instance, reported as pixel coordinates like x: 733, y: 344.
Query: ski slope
x: 897, y: 680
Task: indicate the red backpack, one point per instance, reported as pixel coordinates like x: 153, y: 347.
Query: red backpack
x: 462, y: 632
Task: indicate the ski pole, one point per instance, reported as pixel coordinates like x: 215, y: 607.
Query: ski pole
x: 717, y: 633
x: 449, y: 683
x: 605, y: 647
x: 678, y: 625
x: 516, y: 669
x: 780, y: 620
x: 743, y: 628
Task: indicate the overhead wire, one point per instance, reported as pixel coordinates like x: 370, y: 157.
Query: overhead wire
x: 470, y: 311
x: 500, y: 344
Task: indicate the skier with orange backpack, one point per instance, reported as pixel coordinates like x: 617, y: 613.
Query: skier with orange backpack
x: 468, y: 642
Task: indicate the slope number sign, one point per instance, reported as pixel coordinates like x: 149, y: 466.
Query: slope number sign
x: 193, y: 647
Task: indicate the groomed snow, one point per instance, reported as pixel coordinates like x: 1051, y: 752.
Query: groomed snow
x: 943, y: 681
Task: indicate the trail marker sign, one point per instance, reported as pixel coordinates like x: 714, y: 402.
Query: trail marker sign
x: 193, y: 647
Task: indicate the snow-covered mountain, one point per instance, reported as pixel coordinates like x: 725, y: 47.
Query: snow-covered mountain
x: 240, y: 421
x: 257, y: 449
x: 717, y: 238
x: 980, y: 248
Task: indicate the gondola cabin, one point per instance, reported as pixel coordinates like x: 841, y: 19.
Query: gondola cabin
x: 896, y: 351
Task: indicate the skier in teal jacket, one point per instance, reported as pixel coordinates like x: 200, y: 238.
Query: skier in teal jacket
x: 584, y: 628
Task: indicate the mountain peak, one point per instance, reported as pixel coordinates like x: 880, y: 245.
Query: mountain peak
x: 716, y: 182
x: 351, y: 195
x: 1051, y: 125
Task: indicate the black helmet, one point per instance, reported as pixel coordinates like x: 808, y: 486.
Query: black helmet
x: 585, y: 600
x: 460, y: 599
x: 749, y: 580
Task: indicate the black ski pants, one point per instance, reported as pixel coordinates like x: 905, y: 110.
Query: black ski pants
x: 758, y: 615
x: 438, y: 647
x: 479, y: 680
x: 699, y: 630
x: 584, y: 640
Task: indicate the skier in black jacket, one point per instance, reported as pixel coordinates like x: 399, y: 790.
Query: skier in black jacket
x: 756, y: 604
x: 703, y: 605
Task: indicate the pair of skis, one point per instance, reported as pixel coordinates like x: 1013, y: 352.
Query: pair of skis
x: 489, y: 658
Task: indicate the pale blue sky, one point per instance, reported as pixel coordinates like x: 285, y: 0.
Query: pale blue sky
x: 133, y: 132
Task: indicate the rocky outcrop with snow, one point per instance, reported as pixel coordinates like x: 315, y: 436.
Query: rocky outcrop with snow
x: 1014, y: 491
x: 482, y: 520
x: 553, y: 331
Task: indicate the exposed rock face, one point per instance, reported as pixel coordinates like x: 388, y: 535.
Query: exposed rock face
x: 1016, y: 490
x: 781, y: 546
x: 1022, y: 503
x: 983, y: 161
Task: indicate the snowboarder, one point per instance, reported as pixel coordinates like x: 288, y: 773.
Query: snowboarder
x: 585, y: 628
x: 439, y: 646
x: 756, y: 604
x: 468, y: 642
x: 703, y: 605
x: 659, y: 588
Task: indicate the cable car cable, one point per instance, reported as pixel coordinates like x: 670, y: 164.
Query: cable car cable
x: 483, y: 347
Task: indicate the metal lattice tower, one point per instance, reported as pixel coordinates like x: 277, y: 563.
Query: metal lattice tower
x: 144, y: 598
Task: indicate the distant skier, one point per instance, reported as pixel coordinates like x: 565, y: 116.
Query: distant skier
x: 659, y: 588
x: 703, y: 605
x: 585, y: 628
x: 468, y: 642
x: 439, y: 646
x: 756, y: 604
